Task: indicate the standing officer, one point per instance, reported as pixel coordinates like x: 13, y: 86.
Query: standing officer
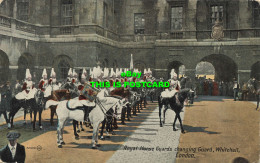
x: 235, y: 90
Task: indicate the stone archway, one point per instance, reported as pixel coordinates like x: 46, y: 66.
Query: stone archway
x: 62, y: 64
x: 255, y: 71
x: 4, y: 67
x: 25, y: 61
x: 175, y: 65
x: 225, y: 68
x: 205, y: 69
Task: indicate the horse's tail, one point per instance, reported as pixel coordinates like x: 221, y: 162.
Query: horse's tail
x: 51, y: 103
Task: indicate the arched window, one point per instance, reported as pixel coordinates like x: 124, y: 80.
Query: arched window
x: 63, y: 67
x: 25, y: 61
x: 140, y: 66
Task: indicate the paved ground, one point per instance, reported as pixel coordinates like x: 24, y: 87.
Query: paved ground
x: 150, y: 142
x: 217, y: 123
x: 211, y: 122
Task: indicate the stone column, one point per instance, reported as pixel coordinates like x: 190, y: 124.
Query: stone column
x: 190, y: 19
x: 12, y: 74
x: 243, y: 76
x: 245, y: 18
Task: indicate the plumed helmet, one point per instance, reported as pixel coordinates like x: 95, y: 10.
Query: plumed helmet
x: 53, y: 74
x: 28, y: 74
x: 70, y: 73
x: 44, y: 73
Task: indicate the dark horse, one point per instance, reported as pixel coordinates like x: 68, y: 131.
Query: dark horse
x: 254, y: 87
x: 108, y: 121
x: 34, y: 105
x: 176, y: 104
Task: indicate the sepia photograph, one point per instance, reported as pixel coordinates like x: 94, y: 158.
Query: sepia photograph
x: 122, y: 81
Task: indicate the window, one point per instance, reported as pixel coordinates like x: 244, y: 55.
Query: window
x: 23, y: 10
x: 105, y: 15
x: 66, y: 12
x: 139, y: 23
x: 216, y: 14
x: 256, y: 14
x: 176, y: 18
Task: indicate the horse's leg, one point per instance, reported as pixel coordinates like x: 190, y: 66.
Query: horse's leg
x: 179, y: 118
x: 82, y: 129
x: 115, y: 126
x: 102, y: 129
x: 108, y: 127
x: 134, y: 110
x: 52, y: 109
x: 31, y: 111
x: 77, y: 124
x: 145, y: 102
x: 24, y: 116
x: 160, y: 113
x: 123, y: 116
x: 40, y: 118
x: 35, y: 116
x: 128, y: 112
x: 173, y: 125
x: 164, y: 111
x: 95, y: 134
x: 114, y: 121
x: 258, y: 99
x: 74, y: 129
x: 138, y: 106
x: 61, y: 123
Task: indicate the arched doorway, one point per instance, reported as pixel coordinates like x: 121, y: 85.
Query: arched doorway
x: 25, y: 61
x: 140, y: 65
x: 179, y: 68
x: 225, y: 67
x: 115, y: 65
x: 205, y: 70
x: 62, y: 64
x: 255, y: 71
x: 4, y: 67
x: 105, y: 63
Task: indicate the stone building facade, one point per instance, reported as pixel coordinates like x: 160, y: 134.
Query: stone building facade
x: 161, y: 35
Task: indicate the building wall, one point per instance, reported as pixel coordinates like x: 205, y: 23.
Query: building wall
x: 112, y: 45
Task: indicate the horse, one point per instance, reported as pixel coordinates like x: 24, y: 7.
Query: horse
x: 118, y: 93
x: 176, y: 103
x: 96, y: 115
x: 57, y: 95
x: 33, y: 104
x: 254, y: 87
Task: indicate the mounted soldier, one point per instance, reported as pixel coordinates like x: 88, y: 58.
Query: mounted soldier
x: 44, y: 81
x: 52, y: 84
x: 28, y: 90
x: 174, y: 85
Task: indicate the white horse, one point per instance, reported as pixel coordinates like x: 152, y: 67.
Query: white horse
x: 96, y: 116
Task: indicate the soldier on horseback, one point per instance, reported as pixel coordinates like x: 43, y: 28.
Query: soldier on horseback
x: 44, y: 81
x: 174, y: 85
